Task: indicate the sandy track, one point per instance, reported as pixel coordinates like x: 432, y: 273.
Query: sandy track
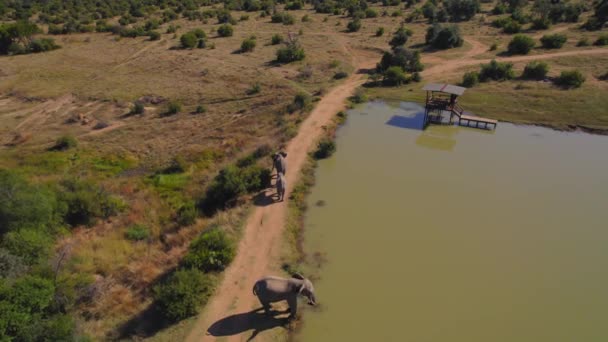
x: 260, y: 245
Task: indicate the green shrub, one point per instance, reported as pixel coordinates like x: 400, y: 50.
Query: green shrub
x: 42, y: 44
x: 276, y: 39
x: 553, y: 41
x: 536, y: 70
x: 521, y: 45
x: 188, y: 40
x: 496, y: 71
x: 300, y: 101
x: 200, y: 109
x: 225, y: 30
x: 137, y: 232
x: 292, y: 52
x: 371, y: 13
x: 30, y: 245
x: 408, y: 60
x: 187, y: 214
x: 224, y: 17
x: 395, y: 75
x: 601, y: 40
x: 65, y: 142
x: 494, y: 47
x: 86, y: 202
x: 282, y: 17
x: 325, y: 149
x: 138, y: 108
x: 154, y: 35
x: 305, y: 18
x: 570, y: 79
x: 173, y: 107
x: 400, y: 37
x: 340, y: 75
x: 443, y: 37
x: 380, y: 32
x: 541, y: 24
x: 511, y: 27
x: 461, y: 9
x: 255, y: 89
x: 181, y: 295
x: 248, y: 45
x: 11, y: 266
x: 359, y: 96
x: 470, y: 79
x: 354, y: 25
x: 212, y: 251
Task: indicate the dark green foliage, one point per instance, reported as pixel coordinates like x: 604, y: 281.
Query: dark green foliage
x: 225, y: 30
x: 601, y: 40
x: 212, y: 251
x: 507, y: 24
x: 283, y: 17
x: 16, y: 38
x: 461, y: 9
x: 371, y: 13
x: 541, y: 24
x: 325, y: 149
x: 173, y: 107
x: 187, y: 214
x: 354, y: 25
x: 137, y: 232
x: 570, y: 79
x: 395, y: 75
x: 11, y: 266
x: 224, y: 17
x: 359, y: 96
x: 42, y: 44
x: 291, y: 52
x: 340, y: 75
x: 380, y: 32
x: 400, y: 37
x: 553, y: 41
x: 294, y: 5
x: 255, y: 89
x: 521, y: 45
x: 181, y: 295
x: 154, y: 35
x: 276, y: 39
x: 200, y: 109
x: 86, y: 202
x: 28, y: 244
x: 500, y: 8
x: 536, y: 70
x: 496, y: 71
x: 470, y: 79
x: 248, y: 45
x: 138, y: 108
x: 65, y: 142
x: 443, y: 37
x: 300, y: 101
x: 232, y: 182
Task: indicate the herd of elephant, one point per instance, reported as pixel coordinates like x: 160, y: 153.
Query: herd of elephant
x: 275, y: 289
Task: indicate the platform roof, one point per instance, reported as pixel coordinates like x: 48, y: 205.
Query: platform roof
x: 445, y: 88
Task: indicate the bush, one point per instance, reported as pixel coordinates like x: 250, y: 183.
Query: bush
x: 444, y: 37
x: 188, y: 40
x: 541, y: 24
x: 380, y: 32
x: 86, y: 202
x: 470, y: 79
x: 138, y: 108
x: 461, y: 9
x: 407, y: 60
x: 255, y: 89
x: 325, y: 148
x: 11, y: 266
x: 282, y: 17
x: 276, y: 39
x: 395, y: 75
x: 181, y: 295
x: 340, y: 75
x: 400, y: 37
x: 359, y: 96
x: 536, y: 70
x: 553, y: 41
x: 570, y: 79
x: 601, y: 40
x: 30, y: 245
x: 292, y: 52
x: 371, y: 13
x: 42, y: 44
x: 212, y: 251
x: 521, y: 44
x: 248, y: 45
x: 496, y: 71
x: 187, y: 214
x: 511, y: 27
x: 65, y: 142
x: 225, y: 30
x: 173, y: 107
x: 154, y: 35
x: 200, y: 109
x: 137, y: 232
x: 300, y: 101
x: 354, y: 25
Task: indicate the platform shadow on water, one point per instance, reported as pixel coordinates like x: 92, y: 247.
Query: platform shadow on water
x: 255, y: 320
x: 415, y: 121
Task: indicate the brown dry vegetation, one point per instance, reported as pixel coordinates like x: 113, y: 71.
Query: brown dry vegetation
x: 92, y: 80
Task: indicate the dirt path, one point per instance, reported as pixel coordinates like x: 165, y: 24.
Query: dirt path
x: 229, y: 311
x: 450, y: 65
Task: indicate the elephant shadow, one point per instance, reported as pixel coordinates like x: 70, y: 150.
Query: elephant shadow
x: 255, y: 320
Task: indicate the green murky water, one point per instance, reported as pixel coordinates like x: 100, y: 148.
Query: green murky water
x: 456, y: 234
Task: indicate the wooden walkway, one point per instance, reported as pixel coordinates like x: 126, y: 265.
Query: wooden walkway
x: 478, y: 122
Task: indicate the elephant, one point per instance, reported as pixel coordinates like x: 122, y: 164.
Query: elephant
x: 281, y: 186
x: 279, y: 162
x: 276, y: 289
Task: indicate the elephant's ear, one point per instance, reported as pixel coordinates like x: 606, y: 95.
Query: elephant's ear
x: 298, y: 276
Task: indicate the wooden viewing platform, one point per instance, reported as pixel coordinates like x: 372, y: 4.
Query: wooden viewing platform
x: 442, y: 106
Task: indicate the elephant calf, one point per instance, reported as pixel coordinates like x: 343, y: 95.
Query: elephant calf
x: 281, y: 186
x: 276, y: 289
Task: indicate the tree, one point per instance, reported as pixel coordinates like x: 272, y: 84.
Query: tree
x: 354, y: 25
x: 211, y: 251
x: 496, y: 71
x: 462, y: 9
x: 248, y: 44
x: 181, y: 295
x: 444, y: 37
x: 570, y: 79
x: 470, y: 79
x: 536, y: 70
x: 395, y: 75
x: 188, y: 40
x: 291, y: 52
x: 521, y: 44
x: 225, y: 30
x: 553, y: 41
x: 400, y: 37
x: 407, y: 60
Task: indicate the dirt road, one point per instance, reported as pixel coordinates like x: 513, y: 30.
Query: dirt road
x: 229, y: 312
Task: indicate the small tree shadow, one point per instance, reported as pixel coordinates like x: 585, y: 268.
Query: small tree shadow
x: 264, y: 198
x: 255, y: 320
